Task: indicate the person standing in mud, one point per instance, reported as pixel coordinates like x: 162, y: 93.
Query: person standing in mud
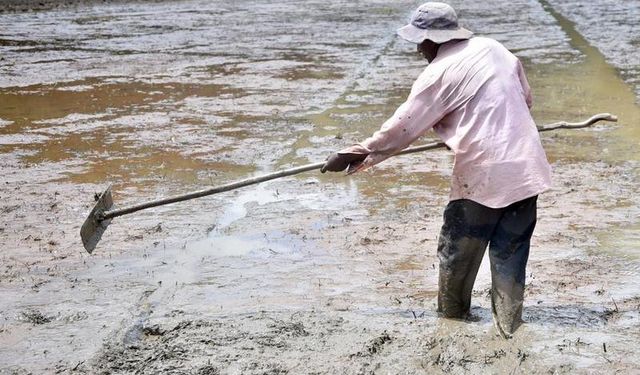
x: 475, y: 96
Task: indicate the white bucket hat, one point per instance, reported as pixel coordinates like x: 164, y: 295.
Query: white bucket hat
x: 437, y: 22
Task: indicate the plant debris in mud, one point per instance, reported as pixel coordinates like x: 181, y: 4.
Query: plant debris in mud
x: 208, y: 370
x: 374, y: 346
x: 489, y: 359
x: 153, y: 330
x: 34, y: 317
x: 289, y: 329
x: 163, y: 349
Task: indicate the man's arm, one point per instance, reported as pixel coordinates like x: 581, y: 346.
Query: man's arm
x: 422, y: 110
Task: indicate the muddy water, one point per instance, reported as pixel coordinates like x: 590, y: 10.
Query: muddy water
x: 603, y: 91
x: 337, y: 272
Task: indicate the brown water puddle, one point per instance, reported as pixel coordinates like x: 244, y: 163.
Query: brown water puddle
x: 119, y: 131
x: 576, y: 91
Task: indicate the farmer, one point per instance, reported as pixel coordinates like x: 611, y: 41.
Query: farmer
x: 475, y: 96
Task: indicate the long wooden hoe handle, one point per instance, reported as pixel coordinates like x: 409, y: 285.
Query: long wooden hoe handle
x: 102, y: 213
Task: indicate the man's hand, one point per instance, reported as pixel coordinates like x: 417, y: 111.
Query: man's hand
x: 339, y: 162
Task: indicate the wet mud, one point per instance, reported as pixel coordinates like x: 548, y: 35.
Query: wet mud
x: 307, y: 274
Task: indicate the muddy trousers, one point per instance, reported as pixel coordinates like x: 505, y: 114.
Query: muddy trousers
x: 468, y: 228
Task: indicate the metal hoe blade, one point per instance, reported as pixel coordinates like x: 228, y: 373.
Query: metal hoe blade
x: 93, y: 228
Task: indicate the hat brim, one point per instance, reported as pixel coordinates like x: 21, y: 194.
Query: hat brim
x: 417, y: 35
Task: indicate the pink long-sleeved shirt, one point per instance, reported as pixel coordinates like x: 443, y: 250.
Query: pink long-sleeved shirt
x: 476, y: 97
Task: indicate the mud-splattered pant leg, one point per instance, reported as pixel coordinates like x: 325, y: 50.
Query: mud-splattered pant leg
x: 463, y: 239
x: 509, y: 252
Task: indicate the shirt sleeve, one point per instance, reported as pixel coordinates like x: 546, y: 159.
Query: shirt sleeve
x: 420, y: 112
x: 525, y: 85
